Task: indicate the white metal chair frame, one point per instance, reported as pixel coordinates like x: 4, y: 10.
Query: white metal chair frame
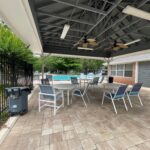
x: 129, y: 94
x: 51, y: 102
x: 94, y: 82
x: 74, y: 81
x: 113, y: 98
x: 81, y: 94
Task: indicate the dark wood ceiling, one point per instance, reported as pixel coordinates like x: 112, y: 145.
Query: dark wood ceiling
x: 99, y: 19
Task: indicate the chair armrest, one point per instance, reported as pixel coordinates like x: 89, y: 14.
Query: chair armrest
x: 47, y: 94
x: 57, y: 93
x: 76, y: 90
x: 56, y: 90
x: 108, y: 92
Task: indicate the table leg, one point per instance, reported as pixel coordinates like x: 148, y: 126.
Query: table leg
x: 68, y: 97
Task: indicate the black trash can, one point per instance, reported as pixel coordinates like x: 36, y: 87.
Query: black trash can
x: 110, y: 79
x: 17, y: 99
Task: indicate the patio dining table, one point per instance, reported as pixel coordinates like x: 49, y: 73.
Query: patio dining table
x: 85, y: 80
x: 110, y: 86
x: 65, y: 87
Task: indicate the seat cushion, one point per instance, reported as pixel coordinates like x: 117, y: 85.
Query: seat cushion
x: 108, y: 95
x: 115, y: 97
x: 50, y: 97
x: 46, y: 97
x: 77, y: 92
x: 132, y: 93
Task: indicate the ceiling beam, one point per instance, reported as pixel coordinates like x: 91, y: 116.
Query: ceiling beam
x: 56, y: 38
x: 58, y: 42
x: 121, y: 29
x: 119, y: 20
x: 60, y: 27
x: 140, y: 5
x: 59, y: 34
x: 141, y: 34
x: 101, y: 19
x: 66, y: 18
x: 79, y: 6
x: 116, y: 22
x: 130, y: 32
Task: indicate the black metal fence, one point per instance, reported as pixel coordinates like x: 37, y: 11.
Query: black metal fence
x: 13, y: 72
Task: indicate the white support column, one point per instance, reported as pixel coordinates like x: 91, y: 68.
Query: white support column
x: 136, y: 71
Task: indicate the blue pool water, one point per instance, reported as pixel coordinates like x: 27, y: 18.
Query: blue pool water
x: 63, y: 77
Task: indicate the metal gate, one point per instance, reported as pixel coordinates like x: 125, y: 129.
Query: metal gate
x: 13, y: 72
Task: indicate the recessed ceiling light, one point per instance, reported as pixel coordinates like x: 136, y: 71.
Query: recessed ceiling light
x: 65, y: 31
x: 136, y: 12
x: 135, y: 41
x: 85, y: 48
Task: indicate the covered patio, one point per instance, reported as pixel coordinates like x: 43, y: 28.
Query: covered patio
x: 77, y: 128
x: 117, y: 38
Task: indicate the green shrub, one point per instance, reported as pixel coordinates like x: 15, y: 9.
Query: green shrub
x: 11, y: 45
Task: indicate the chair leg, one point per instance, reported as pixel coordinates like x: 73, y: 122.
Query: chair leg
x: 87, y: 98
x: 103, y: 98
x: 63, y: 99
x: 129, y: 100
x: 84, y: 101
x: 140, y: 100
x: 71, y: 99
x: 54, y: 107
x: 39, y: 104
x: 125, y: 104
x: 114, y: 106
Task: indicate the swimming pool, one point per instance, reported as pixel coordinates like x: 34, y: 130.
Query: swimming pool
x: 63, y: 77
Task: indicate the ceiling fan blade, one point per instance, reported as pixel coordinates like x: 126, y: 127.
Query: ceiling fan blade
x: 91, y: 40
x: 116, y: 48
x: 123, y: 46
x: 85, y: 45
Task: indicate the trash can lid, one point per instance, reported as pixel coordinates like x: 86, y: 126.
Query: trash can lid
x: 24, y: 88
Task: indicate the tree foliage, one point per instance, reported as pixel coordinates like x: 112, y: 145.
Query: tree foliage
x: 57, y: 64
x: 65, y: 65
x: 12, y: 45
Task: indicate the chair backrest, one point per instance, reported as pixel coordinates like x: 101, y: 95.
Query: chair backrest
x: 86, y: 88
x: 121, y: 91
x: 136, y: 89
x: 49, y: 77
x: 82, y: 75
x: 101, y: 79
x: 90, y: 75
x: 95, y: 80
x: 74, y: 80
x: 46, y: 89
x: 45, y: 81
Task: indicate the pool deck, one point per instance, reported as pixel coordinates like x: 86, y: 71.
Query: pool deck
x: 76, y: 128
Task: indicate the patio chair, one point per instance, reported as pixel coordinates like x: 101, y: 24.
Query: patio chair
x: 45, y: 82
x: 81, y: 93
x: 50, y: 97
x: 118, y: 95
x: 101, y: 79
x: 50, y: 78
x: 74, y: 80
x: 94, y: 82
x: 82, y: 76
x: 90, y: 75
x: 135, y: 90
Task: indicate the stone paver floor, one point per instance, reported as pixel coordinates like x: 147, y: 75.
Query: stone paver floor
x: 77, y: 128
